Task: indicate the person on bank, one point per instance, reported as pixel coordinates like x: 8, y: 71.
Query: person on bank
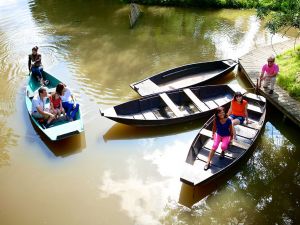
x: 56, y: 107
x: 35, y: 65
x: 221, y: 132
x: 268, y: 74
x: 39, y: 109
x: 238, y: 112
x: 68, y: 101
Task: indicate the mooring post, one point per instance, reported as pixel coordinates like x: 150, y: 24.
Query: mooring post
x: 134, y: 14
x: 257, y: 86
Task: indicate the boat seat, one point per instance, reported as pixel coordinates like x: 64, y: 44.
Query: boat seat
x: 147, y: 87
x: 149, y: 115
x: 199, y: 104
x: 171, y: 105
x: 138, y: 116
x: 236, y: 143
x: 255, y: 108
x: 255, y: 97
x: 221, y: 101
x: 211, y: 104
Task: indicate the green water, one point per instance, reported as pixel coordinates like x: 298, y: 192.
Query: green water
x: 116, y: 174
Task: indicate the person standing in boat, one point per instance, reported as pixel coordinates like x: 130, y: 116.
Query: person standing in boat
x: 39, y: 110
x: 221, y: 132
x: 268, y: 74
x: 238, y: 112
x: 35, y: 65
x: 68, y: 101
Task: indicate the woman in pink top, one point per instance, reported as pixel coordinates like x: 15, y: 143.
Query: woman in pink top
x: 268, y: 74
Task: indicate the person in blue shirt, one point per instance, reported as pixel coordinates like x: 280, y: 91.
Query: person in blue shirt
x: 222, y: 132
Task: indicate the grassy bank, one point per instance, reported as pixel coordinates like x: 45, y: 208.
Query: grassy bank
x: 209, y: 3
x: 289, y: 75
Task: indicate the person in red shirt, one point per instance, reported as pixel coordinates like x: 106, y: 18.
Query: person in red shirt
x: 238, y: 111
x: 56, y: 105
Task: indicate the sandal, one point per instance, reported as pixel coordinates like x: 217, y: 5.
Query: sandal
x: 207, y: 166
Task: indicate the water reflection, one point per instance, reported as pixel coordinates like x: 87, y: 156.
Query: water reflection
x: 123, y: 132
x: 138, y: 189
x: 89, y: 46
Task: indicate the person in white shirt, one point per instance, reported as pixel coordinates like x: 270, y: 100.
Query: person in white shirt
x: 68, y: 101
x: 39, y: 111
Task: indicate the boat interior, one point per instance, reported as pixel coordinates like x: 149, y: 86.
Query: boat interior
x: 245, y: 136
x: 34, y: 85
x: 176, y: 104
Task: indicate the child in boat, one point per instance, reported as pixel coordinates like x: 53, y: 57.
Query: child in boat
x: 238, y: 111
x: 56, y: 105
x: 221, y: 132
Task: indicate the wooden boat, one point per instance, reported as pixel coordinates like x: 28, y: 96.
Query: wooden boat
x: 173, y: 107
x: 183, y: 76
x: 194, y: 173
x: 60, y: 128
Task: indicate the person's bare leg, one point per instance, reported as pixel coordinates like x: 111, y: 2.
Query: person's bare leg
x: 211, y: 154
x: 234, y: 122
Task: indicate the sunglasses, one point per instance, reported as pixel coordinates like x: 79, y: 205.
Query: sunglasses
x: 270, y: 61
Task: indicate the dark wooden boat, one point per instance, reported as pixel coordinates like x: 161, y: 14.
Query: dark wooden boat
x: 173, y: 107
x: 60, y: 128
x: 183, y: 76
x: 193, y: 169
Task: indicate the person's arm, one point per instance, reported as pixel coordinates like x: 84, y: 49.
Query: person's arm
x: 246, y: 113
x: 73, y: 99
x: 276, y: 70
x: 214, y: 129
x: 231, y: 131
x: 51, y: 106
x: 229, y: 110
x: 261, y: 77
x: 60, y: 106
x: 29, y: 63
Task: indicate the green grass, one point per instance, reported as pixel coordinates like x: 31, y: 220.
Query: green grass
x: 289, y: 74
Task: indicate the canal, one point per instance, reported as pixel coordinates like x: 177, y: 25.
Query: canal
x: 116, y: 174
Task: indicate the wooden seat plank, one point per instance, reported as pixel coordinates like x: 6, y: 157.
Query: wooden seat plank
x: 236, y: 143
x: 199, y: 104
x: 221, y: 101
x: 255, y: 97
x: 138, y: 116
x: 232, y: 152
x: 171, y: 105
x: 149, y: 115
x: 211, y: 104
x: 147, y: 87
x: 255, y: 108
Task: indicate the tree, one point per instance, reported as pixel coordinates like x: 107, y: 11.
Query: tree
x: 281, y: 15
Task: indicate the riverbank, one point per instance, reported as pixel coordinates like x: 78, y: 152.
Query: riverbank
x: 250, y: 64
x: 289, y: 76
x: 233, y: 4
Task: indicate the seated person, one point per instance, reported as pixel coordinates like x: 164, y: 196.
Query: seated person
x: 39, y: 111
x: 35, y: 65
x: 56, y: 107
x: 238, y: 112
x: 68, y: 101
